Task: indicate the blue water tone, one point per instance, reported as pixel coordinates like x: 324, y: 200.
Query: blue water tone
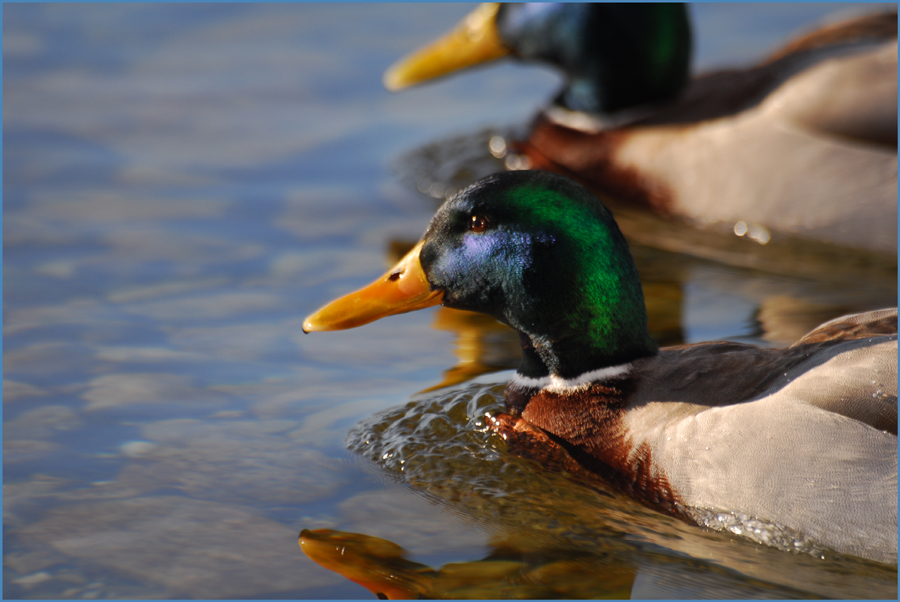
x: 183, y: 183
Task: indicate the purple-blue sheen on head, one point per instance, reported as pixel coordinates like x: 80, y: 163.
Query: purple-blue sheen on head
x: 502, y: 251
x: 486, y: 269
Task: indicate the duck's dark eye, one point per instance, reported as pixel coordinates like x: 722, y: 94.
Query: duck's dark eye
x: 478, y: 223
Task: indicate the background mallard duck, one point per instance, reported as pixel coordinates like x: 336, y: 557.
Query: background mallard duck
x: 804, y: 143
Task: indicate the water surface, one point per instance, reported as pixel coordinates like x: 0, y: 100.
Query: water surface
x: 183, y: 183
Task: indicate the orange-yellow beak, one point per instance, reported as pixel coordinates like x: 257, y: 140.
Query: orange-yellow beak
x: 401, y: 289
x: 475, y: 40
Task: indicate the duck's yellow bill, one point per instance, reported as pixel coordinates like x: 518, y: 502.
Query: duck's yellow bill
x: 401, y: 289
x: 475, y: 40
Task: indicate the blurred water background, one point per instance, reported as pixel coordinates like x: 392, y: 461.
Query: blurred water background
x: 182, y: 184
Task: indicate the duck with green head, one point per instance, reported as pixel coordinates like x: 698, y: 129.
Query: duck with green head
x: 802, y: 144
x: 803, y: 438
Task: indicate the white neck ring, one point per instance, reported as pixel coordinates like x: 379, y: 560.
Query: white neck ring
x: 559, y: 385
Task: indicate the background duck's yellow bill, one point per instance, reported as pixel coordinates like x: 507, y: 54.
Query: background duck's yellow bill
x: 401, y: 289
x: 475, y: 40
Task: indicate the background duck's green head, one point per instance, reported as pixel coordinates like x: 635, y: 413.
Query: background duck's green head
x: 614, y: 56
x: 540, y: 253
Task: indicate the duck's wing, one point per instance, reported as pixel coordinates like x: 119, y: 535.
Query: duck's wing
x: 840, y: 80
x: 852, y: 370
x: 847, y: 366
x: 856, y: 379
x: 854, y: 326
x: 876, y: 26
x: 849, y: 93
x: 802, y: 439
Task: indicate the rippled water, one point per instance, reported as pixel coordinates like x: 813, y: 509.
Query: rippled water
x: 183, y: 183
x: 439, y: 445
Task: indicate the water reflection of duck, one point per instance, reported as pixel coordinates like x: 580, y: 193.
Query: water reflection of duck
x: 379, y: 566
x: 803, y: 438
x: 803, y: 143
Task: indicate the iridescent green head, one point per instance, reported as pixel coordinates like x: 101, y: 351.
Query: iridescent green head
x: 542, y: 254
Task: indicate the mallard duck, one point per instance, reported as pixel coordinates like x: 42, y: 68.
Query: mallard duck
x: 802, y: 438
x: 803, y: 144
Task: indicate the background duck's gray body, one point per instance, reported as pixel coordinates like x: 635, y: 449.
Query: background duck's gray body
x: 761, y: 157
x: 815, y: 450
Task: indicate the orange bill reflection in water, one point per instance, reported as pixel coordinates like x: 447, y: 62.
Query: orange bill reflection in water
x: 379, y: 566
